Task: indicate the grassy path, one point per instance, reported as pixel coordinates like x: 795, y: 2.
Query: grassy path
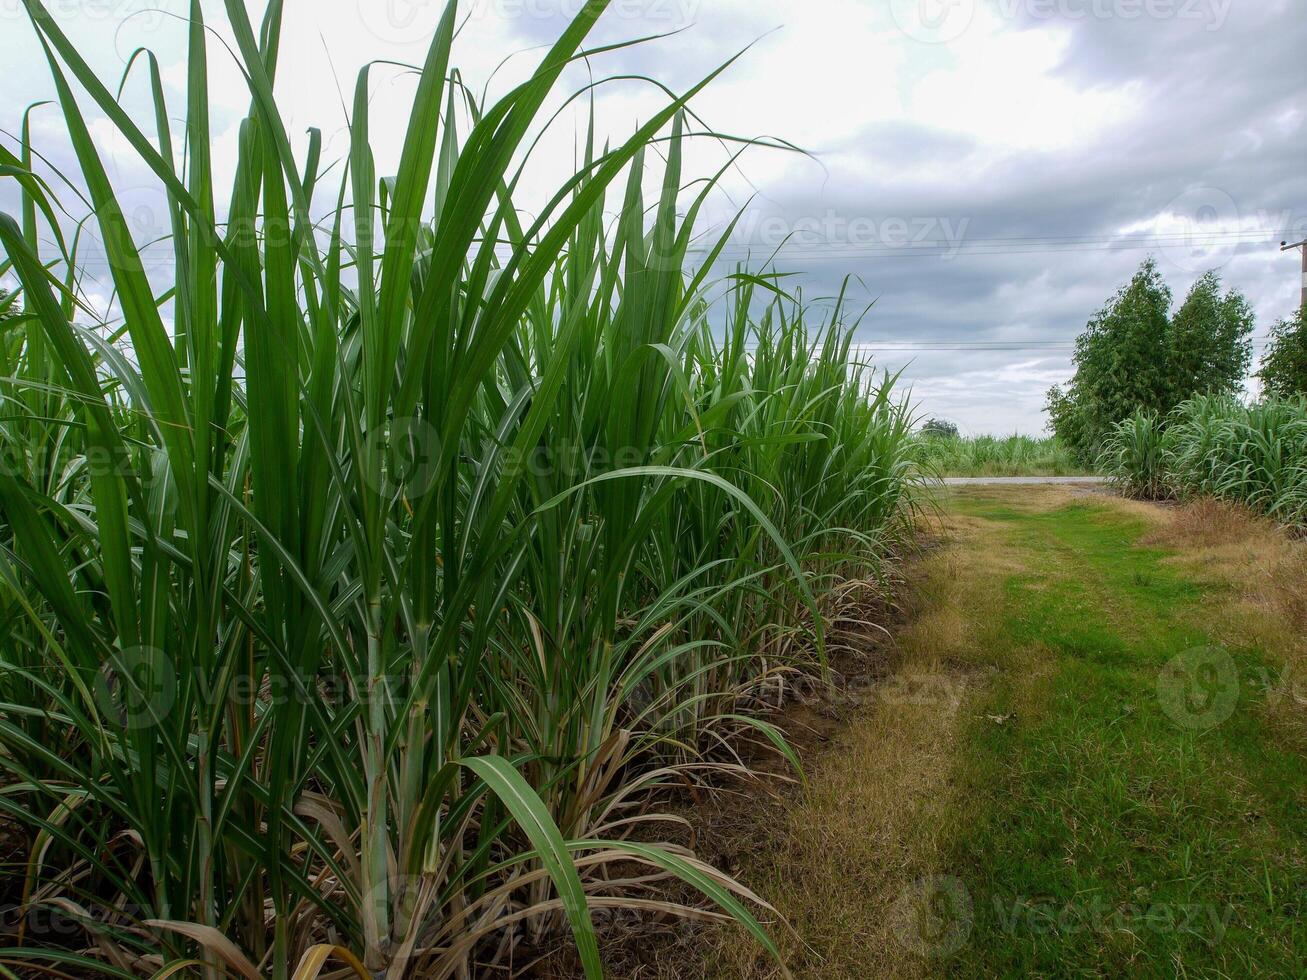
x: 1092, y: 761
x: 1130, y: 806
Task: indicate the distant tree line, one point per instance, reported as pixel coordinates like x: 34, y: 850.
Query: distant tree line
x: 1137, y: 356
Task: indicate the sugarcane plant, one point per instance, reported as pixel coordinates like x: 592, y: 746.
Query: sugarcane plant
x: 364, y: 585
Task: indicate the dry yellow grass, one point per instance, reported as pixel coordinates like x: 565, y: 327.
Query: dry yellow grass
x: 837, y: 860
x: 1259, y: 579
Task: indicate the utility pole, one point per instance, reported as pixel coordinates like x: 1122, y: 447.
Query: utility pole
x: 1284, y: 247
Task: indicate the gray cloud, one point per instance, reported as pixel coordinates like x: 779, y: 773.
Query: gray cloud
x: 1216, y: 131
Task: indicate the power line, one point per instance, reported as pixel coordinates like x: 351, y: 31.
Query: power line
x: 826, y: 252
x: 980, y: 346
x: 935, y: 247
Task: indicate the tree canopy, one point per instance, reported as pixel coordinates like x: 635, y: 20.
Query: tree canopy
x: 1134, y: 355
x: 1284, y: 367
x: 941, y: 428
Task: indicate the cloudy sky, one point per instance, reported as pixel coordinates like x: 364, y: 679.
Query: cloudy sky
x: 988, y: 172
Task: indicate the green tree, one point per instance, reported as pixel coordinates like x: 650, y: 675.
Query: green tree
x: 1067, y: 419
x: 1121, y: 364
x: 1211, y: 341
x: 1134, y: 356
x: 1284, y: 366
x: 940, y: 428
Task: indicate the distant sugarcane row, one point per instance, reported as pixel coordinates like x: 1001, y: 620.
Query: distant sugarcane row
x: 1219, y: 447
x: 361, y: 590
x: 1015, y: 455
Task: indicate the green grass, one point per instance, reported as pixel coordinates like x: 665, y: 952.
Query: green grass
x: 1014, y: 455
x: 1100, y: 837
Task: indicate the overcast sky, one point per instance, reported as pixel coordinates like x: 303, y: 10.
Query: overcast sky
x: 988, y: 171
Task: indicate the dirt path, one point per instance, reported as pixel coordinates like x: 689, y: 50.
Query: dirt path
x: 1088, y: 762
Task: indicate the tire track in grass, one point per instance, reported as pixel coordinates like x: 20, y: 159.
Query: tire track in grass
x: 1124, y: 809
